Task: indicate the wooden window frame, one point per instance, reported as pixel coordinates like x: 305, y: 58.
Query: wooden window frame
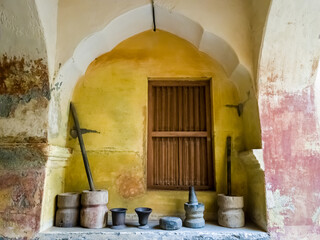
x: 205, y: 134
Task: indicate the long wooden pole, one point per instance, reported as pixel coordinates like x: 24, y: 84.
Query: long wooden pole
x: 229, y: 166
x: 83, y: 149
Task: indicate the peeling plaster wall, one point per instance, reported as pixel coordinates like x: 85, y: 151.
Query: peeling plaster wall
x: 24, y: 88
x: 290, y: 126
x: 21, y: 188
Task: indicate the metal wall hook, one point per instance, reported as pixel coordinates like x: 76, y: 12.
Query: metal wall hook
x: 240, y: 106
x: 74, y: 134
x: 153, y: 16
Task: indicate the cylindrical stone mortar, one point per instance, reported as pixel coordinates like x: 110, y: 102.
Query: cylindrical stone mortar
x: 230, y: 213
x: 68, y: 205
x: 94, y: 211
x: 194, y: 215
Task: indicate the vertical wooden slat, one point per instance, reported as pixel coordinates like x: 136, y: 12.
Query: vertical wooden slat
x: 154, y: 147
x: 208, y: 123
x: 150, y: 145
x: 192, y: 160
x: 202, y: 109
x: 155, y: 110
x: 185, y: 110
x: 180, y: 167
x: 169, y: 161
x: 198, y: 159
x: 162, y: 112
x: 171, y: 173
x: 169, y: 107
x: 160, y: 160
x: 174, y: 160
x: 191, y: 109
x: 196, y: 109
x: 177, y: 162
x: 158, y: 157
x: 166, y: 163
x: 175, y: 112
x: 186, y: 162
x: 158, y: 106
x: 180, y: 108
x: 202, y: 160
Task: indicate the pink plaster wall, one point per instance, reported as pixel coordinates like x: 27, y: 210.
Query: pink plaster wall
x: 291, y: 168
x: 289, y: 123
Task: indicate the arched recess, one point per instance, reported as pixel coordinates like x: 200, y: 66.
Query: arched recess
x: 132, y: 23
x: 119, y: 29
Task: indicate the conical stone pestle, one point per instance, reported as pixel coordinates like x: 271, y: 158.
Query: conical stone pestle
x: 192, y: 196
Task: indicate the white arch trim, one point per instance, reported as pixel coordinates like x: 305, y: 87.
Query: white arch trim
x: 124, y: 26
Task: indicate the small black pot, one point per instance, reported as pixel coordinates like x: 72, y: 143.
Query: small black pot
x: 143, y: 214
x: 118, y: 218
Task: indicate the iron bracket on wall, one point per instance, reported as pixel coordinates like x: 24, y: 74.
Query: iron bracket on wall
x: 239, y: 106
x: 153, y: 17
x: 74, y: 134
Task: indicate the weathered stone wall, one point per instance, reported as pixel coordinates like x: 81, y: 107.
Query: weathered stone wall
x: 24, y: 98
x: 21, y: 188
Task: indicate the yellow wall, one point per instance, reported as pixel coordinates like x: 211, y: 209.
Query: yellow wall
x: 54, y: 185
x: 112, y: 99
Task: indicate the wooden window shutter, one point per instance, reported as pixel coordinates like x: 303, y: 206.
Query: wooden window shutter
x: 179, y: 135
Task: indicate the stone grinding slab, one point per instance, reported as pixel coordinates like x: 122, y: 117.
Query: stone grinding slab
x: 170, y: 223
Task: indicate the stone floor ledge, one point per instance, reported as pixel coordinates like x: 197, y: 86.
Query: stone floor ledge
x: 210, y: 232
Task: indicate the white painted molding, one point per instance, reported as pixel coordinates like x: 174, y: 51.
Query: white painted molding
x: 123, y: 27
x: 219, y: 49
x: 179, y: 25
x: 57, y: 156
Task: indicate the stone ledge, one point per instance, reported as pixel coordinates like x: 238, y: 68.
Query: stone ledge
x: 209, y: 232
